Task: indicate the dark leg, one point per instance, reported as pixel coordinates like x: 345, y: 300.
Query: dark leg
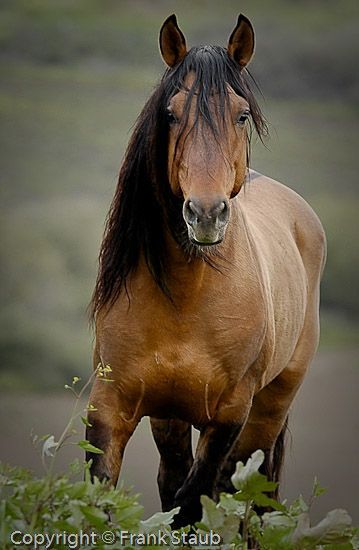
x: 110, y: 430
x: 214, y: 443
x: 173, y: 440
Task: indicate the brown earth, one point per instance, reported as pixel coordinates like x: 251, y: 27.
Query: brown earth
x: 324, y: 439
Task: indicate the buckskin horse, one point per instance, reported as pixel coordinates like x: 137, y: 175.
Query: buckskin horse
x: 207, y: 296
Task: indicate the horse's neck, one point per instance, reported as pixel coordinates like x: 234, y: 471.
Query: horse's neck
x: 236, y: 256
x: 240, y: 243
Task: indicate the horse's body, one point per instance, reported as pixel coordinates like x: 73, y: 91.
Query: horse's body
x: 224, y: 348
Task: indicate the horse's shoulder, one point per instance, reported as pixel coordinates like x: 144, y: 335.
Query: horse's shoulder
x: 294, y: 210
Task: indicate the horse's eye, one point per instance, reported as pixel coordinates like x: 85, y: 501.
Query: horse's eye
x: 171, y: 118
x: 243, y: 117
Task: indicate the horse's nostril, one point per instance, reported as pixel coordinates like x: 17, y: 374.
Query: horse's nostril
x: 191, y: 213
x: 223, y: 211
x: 195, y: 213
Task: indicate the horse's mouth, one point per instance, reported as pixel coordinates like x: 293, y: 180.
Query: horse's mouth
x: 206, y: 243
x: 205, y: 230
x: 205, y: 236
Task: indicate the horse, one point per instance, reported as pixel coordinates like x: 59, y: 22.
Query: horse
x: 206, y: 304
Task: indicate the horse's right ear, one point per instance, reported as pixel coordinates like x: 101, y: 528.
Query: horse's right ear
x: 172, y: 42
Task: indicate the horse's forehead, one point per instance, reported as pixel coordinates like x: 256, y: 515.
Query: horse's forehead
x: 180, y: 98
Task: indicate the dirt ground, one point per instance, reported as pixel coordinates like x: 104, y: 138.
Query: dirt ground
x: 324, y: 439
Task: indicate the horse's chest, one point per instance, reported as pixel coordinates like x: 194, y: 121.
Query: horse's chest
x: 182, y: 362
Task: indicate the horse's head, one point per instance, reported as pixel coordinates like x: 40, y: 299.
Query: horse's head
x: 188, y: 155
x: 207, y: 131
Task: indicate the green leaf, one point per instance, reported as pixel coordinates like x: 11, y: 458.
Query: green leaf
x: 265, y: 501
x: 86, y: 445
x: 254, y: 487
x: 86, y: 422
x: 159, y: 519
x: 298, y: 507
x: 212, y: 515
x: 232, y: 505
x: 215, y: 518
x: 276, y: 538
x: 127, y: 513
x: 96, y: 517
x: 335, y: 528
x: 243, y: 473
x: 277, y: 520
x: 317, y: 489
x: 75, y: 467
x: 63, y: 525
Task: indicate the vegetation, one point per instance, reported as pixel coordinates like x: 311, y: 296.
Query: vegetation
x: 74, y: 76
x: 62, y: 512
x: 59, y: 511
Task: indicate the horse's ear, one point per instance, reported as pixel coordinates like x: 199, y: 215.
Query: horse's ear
x: 172, y: 42
x: 241, y: 42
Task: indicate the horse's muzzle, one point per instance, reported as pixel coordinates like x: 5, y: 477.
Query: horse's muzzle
x: 206, y: 225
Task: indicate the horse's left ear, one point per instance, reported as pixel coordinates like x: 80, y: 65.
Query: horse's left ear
x: 241, y: 42
x: 172, y: 42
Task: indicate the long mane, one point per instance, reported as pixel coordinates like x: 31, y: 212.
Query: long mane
x: 144, y: 207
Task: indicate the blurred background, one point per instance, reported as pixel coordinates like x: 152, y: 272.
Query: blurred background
x: 74, y: 77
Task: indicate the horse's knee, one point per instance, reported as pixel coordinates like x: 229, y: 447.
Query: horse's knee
x: 109, y: 428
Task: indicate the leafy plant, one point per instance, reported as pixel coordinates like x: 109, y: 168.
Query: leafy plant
x: 236, y: 519
x: 57, y: 511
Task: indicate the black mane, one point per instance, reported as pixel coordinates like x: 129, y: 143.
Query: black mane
x: 143, y: 205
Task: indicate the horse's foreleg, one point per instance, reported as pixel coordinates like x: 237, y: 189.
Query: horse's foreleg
x: 214, y: 443
x: 173, y: 440
x: 264, y: 429
x: 110, y: 429
x: 266, y: 423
